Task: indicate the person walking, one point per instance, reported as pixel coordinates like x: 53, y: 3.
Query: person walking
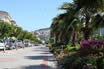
x: 23, y: 45
x: 16, y: 45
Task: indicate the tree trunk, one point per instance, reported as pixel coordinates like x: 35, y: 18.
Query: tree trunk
x: 74, y: 39
x: 56, y: 38
x: 87, y: 29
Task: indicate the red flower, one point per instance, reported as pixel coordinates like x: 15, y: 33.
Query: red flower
x: 55, y: 54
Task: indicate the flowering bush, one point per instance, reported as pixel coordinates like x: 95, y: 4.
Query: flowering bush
x: 83, y: 56
x: 72, y: 62
x: 91, y: 47
x: 92, y: 43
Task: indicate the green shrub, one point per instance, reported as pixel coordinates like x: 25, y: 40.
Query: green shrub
x: 100, y: 62
x: 49, y: 45
x: 77, y: 46
x: 72, y: 48
x: 78, y: 62
x: 55, y: 50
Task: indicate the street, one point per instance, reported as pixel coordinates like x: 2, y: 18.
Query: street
x: 37, y: 57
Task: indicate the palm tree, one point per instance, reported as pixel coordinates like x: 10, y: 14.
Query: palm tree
x: 67, y: 26
x: 63, y: 26
x: 71, y: 22
x: 88, y: 6
x: 54, y: 28
x: 97, y: 23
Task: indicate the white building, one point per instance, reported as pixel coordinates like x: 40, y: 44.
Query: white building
x: 13, y: 22
x: 5, y: 17
x: 101, y: 31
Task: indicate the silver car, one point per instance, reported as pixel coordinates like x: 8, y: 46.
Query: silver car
x: 19, y: 43
x: 2, y: 44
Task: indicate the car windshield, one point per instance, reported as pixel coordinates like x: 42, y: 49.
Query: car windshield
x: 19, y: 41
x: 7, y: 40
x: 1, y: 41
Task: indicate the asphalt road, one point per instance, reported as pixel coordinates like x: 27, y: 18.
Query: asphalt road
x: 37, y: 57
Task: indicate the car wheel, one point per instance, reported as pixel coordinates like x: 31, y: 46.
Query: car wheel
x: 11, y: 48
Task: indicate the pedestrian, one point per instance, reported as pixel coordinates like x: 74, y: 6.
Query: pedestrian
x: 4, y: 49
x: 16, y: 45
x: 23, y: 46
x: 4, y: 46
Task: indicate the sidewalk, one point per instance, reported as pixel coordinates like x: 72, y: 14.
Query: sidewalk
x: 37, y: 57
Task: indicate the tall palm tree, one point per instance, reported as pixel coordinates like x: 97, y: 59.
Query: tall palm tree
x: 87, y: 6
x: 56, y: 28
x: 71, y: 21
x: 97, y: 23
x: 63, y: 26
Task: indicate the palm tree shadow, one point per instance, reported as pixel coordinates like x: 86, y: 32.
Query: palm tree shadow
x: 42, y: 66
x: 40, y: 50
x: 45, y: 53
x: 49, y: 58
x: 36, y: 57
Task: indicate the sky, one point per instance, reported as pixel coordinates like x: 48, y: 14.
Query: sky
x: 32, y: 14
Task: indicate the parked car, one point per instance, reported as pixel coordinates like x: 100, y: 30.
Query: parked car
x: 33, y: 44
x: 19, y: 43
x: 29, y: 44
x: 36, y: 44
x: 26, y: 44
x: 2, y: 45
x: 9, y: 44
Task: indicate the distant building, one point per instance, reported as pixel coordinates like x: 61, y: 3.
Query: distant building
x: 43, y: 34
x: 13, y: 22
x: 101, y: 31
x: 6, y: 17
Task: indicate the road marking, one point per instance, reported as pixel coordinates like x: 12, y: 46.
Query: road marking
x: 45, y: 61
x: 8, y: 59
